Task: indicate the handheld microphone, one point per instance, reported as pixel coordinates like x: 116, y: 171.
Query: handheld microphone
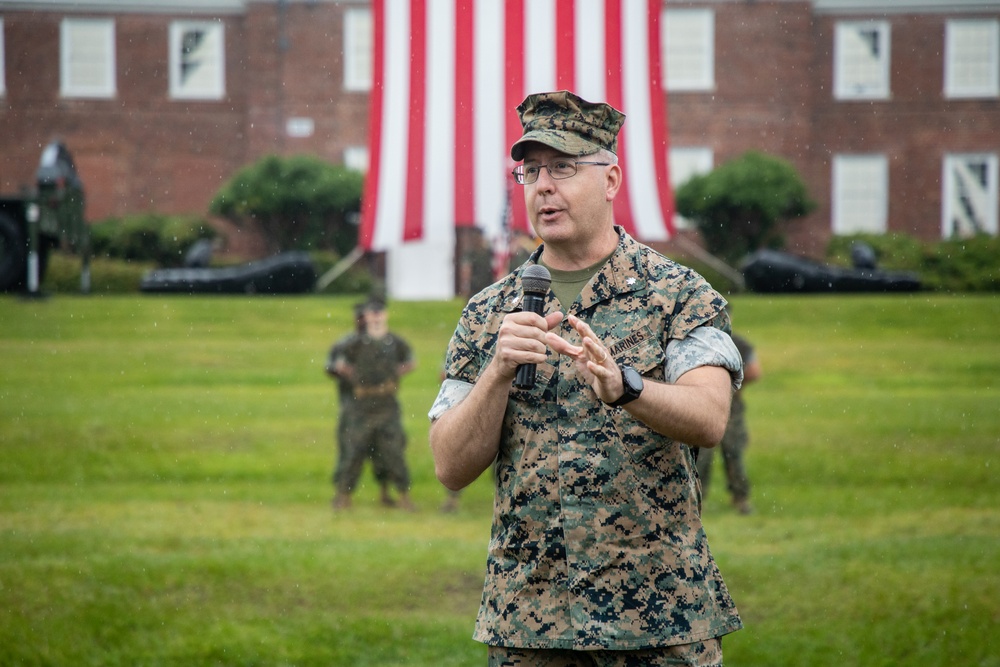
x: 535, y: 280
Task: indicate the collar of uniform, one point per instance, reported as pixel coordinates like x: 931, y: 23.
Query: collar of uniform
x: 620, y: 275
x: 511, y: 291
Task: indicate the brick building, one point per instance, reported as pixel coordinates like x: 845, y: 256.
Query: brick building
x: 888, y: 108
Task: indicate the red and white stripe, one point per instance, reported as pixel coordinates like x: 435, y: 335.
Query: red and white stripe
x: 448, y: 75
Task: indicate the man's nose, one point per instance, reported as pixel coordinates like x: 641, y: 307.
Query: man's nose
x: 545, y: 180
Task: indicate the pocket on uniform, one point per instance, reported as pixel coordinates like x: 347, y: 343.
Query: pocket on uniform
x: 642, y: 351
x: 543, y: 376
x: 642, y: 443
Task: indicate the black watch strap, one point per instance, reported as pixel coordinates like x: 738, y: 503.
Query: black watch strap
x: 632, y: 382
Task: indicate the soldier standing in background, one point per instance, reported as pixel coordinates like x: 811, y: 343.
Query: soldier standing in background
x: 736, y: 439
x: 345, y: 395
x: 368, y: 365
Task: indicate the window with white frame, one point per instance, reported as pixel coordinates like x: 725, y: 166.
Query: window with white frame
x: 358, y: 46
x: 685, y: 162
x: 197, y: 60
x: 972, y: 58
x: 969, y: 200
x: 356, y: 157
x: 688, y: 49
x: 87, y: 58
x: 860, y: 194
x: 861, y: 56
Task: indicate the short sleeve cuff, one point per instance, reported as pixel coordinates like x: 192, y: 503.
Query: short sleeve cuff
x: 704, y: 346
x: 452, y: 393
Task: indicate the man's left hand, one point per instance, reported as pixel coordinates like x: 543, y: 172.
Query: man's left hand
x: 591, y: 359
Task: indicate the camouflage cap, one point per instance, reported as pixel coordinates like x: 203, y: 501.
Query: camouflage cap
x: 567, y: 123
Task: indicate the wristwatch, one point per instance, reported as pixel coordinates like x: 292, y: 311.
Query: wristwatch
x: 632, y: 381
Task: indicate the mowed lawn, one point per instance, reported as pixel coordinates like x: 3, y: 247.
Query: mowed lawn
x: 165, y: 464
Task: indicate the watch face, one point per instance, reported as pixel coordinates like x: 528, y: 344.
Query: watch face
x: 632, y: 379
x: 632, y: 384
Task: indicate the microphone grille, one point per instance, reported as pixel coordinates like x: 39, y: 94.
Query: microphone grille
x: 536, y: 279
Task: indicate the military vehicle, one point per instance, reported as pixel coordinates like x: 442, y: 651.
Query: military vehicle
x: 34, y: 223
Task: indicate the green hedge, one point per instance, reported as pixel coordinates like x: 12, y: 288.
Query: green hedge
x: 149, y: 237
x: 119, y: 276
x: 107, y: 276
x: 955, y: 265
x: 125, y: 248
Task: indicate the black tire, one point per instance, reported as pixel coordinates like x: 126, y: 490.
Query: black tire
x: 13, y: 254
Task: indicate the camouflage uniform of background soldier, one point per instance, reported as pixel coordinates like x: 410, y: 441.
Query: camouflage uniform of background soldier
x: 736, y: 439
x: 345, y: 396
x: 370, y: 365
x: 597, y: 554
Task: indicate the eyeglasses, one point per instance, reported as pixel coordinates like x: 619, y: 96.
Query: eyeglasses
x: 559, y: 169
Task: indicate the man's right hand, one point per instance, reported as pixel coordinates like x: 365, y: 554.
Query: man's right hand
x: 343, y: 369
x: 521, y: 340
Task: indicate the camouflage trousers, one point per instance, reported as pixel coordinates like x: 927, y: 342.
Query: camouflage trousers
x: 700, y: 654
x: 378, y: 436
x: 733, y: 445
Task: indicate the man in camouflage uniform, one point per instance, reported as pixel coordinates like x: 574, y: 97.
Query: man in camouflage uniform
x: 736, y: 438
x: 345, y: 396
x: 369, y: 365
x: 597, y: 554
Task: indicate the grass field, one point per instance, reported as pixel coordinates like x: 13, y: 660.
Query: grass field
x: 164, y: 489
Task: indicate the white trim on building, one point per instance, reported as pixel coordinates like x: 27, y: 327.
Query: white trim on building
x: 881, y: 7
x: 3, y: 63
x: 212, y: 7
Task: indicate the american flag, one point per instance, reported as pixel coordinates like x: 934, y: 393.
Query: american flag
x: 448, y: 76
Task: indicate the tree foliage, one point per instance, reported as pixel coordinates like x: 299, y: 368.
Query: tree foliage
x: 738, y: 206
x: 299, y: 202
x: 149, y: 237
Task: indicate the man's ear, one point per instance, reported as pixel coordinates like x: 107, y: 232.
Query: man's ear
x: 614, y: 182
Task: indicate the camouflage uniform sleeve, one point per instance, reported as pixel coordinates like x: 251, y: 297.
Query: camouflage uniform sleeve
x: 472, y: 344
x: 696, y: 305
x: 462, y: 359
x: 704, y: 346
x: 461, y: 369
x: 336, y: 353
x: 331, y: 357
x: 404, y: 351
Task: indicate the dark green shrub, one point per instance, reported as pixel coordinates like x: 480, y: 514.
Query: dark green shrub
x: 107, y: 276
x: 299, y: 202
x: 149, y: 237
x: 963, y: 265
x: 738, y: 206
x: 954, y: 265
x: 893, y: 251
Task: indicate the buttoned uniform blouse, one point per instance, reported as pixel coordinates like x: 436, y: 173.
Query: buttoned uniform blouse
x: 597, y: 539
